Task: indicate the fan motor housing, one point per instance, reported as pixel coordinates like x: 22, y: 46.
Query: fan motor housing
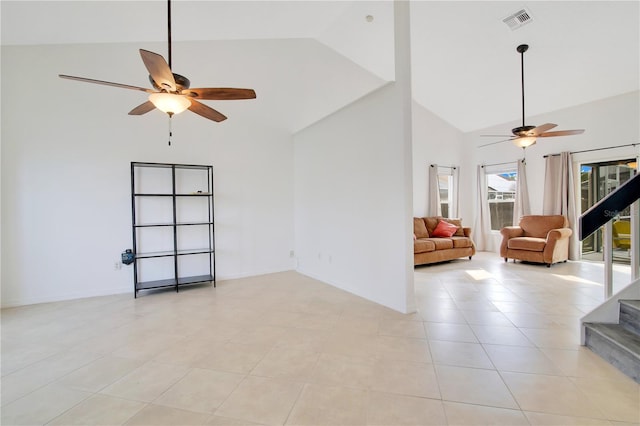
x: 182, y: 82
x: 523, y: 130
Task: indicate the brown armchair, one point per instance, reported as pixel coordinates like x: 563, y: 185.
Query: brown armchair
x: 540, y: 239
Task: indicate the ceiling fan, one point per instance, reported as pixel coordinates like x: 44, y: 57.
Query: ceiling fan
x: 172, y: 93
x: 524, y: 136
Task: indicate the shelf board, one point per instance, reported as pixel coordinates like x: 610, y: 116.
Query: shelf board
x: 153, y: 194
x: 168, y: 166
x: 151, y: 255
x: 170, y: 253
x: 195, y: 279
x: 148, y: 225
x: 147, y: 285
x: 192, y: 166
x: 171, y: 282
x: 157, y: 165
x: 195, y: 251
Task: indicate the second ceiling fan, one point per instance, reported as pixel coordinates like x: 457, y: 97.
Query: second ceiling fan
x: 172, y: 94
x: 524, y: 136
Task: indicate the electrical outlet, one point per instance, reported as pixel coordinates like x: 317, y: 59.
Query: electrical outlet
x: 292, y: 253
x: 117, y: 266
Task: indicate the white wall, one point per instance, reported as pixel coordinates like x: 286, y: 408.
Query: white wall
x: 66, y: 153
x: 349, y: 198
x: 353, y: 189
x: 609, y: 122
x: 434, y: 142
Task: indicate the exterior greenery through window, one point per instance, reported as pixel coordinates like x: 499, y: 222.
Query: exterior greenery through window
x: 501, y: 192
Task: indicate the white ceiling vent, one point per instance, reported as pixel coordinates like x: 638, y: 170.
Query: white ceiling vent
x: 518, y: 19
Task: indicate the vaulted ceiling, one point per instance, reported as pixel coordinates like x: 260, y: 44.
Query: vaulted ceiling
x: 307, y: 59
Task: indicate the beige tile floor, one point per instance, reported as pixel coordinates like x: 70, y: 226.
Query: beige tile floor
x: 491, y: 343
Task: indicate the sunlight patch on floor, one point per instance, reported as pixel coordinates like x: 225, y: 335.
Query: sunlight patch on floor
x: 479, y: 274
x: 575, y: 279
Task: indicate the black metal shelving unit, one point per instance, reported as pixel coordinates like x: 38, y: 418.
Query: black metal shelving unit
x: 148, y: 199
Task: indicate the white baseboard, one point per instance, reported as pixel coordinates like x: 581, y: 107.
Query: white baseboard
x: 16, y: 302
x: 12, y: 303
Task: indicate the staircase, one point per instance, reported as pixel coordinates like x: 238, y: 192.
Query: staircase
x: 619, y: 344
x: 612, y: 330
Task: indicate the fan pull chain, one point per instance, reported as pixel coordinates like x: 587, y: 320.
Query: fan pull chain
x: 170, y: 130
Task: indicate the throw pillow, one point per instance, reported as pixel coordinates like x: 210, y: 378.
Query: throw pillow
x: 444, y: 230
x: 458, y: 223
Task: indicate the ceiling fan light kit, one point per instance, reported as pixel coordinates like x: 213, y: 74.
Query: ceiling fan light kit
x: 525, y: 136
x: 524, y: 142
x: 169, y: 102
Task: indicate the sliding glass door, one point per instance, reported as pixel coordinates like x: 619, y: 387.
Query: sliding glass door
x: 597, y: 180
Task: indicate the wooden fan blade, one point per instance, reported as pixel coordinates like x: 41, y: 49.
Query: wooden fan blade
x: 543, y: 128
x: 143, y: 108
x: 220, y: 93
x: 496, y: 136
x: 493, y: 143
x: 205, y: 111
x: 561, y: 133
x: 105, y: 83
x: 159, y: 70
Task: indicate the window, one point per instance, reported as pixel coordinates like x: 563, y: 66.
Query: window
x: 443, y: 191
x: 501, y: 193
x: 445, y: 184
